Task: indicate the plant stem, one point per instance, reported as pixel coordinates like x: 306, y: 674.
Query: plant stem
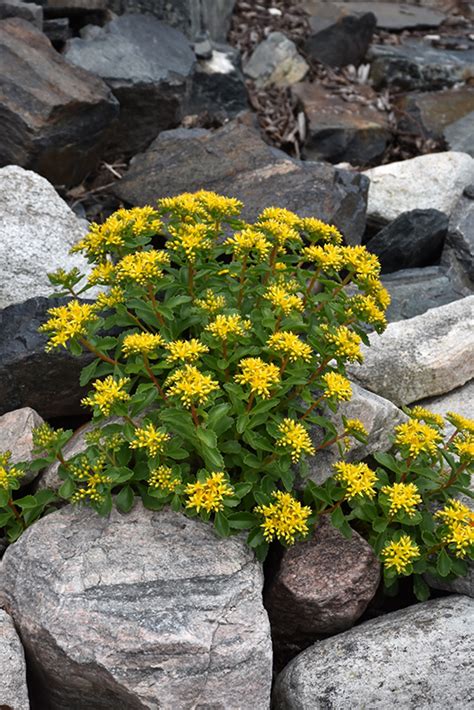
x: 153, y: 378
x: 250, y: 402
x: 15, y: 512
x: 191, y: 280
x: 241, y: 281
x: 452, y: 479
x: 194, y: 415
x: 310, y: 409
x: 284, y: 363
x: 155, y: 305
x: 311, y: 285
x: 332, y: 508
x: 97, y: 353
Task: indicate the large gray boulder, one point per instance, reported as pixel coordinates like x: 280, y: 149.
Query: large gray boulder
x: 13, y: 689
x: 418, y: 658
x: 16, y: 435
x: 422, y: 356
x: 144, y: 610
x: 148, y: 67
x: 38, y: 230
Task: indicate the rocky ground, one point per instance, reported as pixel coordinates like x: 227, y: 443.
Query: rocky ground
x: 359, y: 113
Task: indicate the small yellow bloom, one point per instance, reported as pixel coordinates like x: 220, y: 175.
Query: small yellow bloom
x: 212, y: 303
x: 185, y: 350
x: 346, y: 343
x: 458, y: 520
x: 296, y: 438
x: 427, y: 416
x: 455, y: 512
x: 285, y: 519
x: 461, y: 536
x: 358, y: 479
x: 464, y: 445
x: 278, y: 231
x: 218, y: 206
x: 290, y: 345
x: 328, y: 256
x: 142, y: 267
x: 417, y: 437
x: 461, y: 423
x: 190, y: 239
x: 249, y: 241
x: 150, y: 438
x: 141, y: 343
x: 93, y: 481
x: 67, y: 322
x: 162, y: 477
x: 210, y: 493
x: 402, y: 496
x: 191, y: 386
x: 281, y: 297
x: 400, y: 553
x: 109, y: 299
x: 259, y: 374
x: 108, y: 392
x: 320, y: 231
x: 355, y: 426
x: 364, y: 264
x: 103, y: 273
x: 223, y: 326
x: 9, y: 474
x: 337, y: 387
x: 45, y: 437
x: 367, y: 309
x: 280, y: 214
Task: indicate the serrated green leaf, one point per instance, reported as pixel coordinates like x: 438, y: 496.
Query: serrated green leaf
x: 124, y: 499
x: 443, y: 564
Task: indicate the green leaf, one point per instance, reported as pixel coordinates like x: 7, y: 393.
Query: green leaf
x: 67, y: 489
x: 179, y: 421
x: 26, y: 502
x: 420, y: 588
x: 207, y: 437
x: 255, y: 537
x: 5, y: 517
x: 443, y: 564
x: 242, y: 521
x: 388, y: 461
x: 380, y: 524
x: 120, y: 474
x: 4, y: 497
x: 337, y: 518
x: 176, y: 503
x: 124, y: 499
x: 222, y: 524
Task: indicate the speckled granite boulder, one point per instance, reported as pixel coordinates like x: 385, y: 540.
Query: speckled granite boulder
x: 13, y: 690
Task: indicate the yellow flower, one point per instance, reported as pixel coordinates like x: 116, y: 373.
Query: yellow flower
x: 296, y: 438
x: 347, y: 344
x: 418, y: 437
x: 209, y: 494
x: 280, y: 214
x: 402, y: 496
x: 328, y: 256
x: 358, y: 479
x: 337, y: 387
x: 459, y: 522
x: 162, y: 477
x: 109, y: 299
x: 102, y: 274
x: 258, y: 374
x: 461, y: 536
x: 141, y: 343
x: 247, y: 241
x: 366, y: 308
x: 280, y: 232
x: 45, y: 437
x: 373, y: 287
x: 9, y: 474
x: 91, y: 477
x: 461, y: 423
x: 464, y: 445
x: 455, y: 512
x: 142, y: 267
x: 67, y: 322
x: 281, y: 297
x: 290, y: 345
x: 400, y: 553
x: 185, y: 350
x: 190, y: 239
x: 191, y: 386
x: 184, y: 204
x: 211, y: 302
x: 364, y: 264
x: 284, y: 519
x: 320, y: 231
x: 427, y: 416
x: 150, y: 438
x: 219, y: 206
x: 107, y: 393
x: 223, y: 326
x: 355, y: 426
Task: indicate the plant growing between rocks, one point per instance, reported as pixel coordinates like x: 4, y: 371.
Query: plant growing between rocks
x: 220, y: 347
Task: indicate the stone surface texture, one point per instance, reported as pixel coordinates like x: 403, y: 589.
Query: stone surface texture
x: 235, y: 161
x: 459, y: 400
x: 54, y: 118
x: 390, y: 15
x: 433, y: 181
x: 38, y: 230
x: 321, y: 587
x: 420, y: 357
x: 430, y: 114
x: 13, y: 690
x: 16, y: 435
x: 345, y: 42
x: 31, y: 377
x: 148, y: 67
x: 147, y: 610
x: 276, y: 61
x: 458, y: 135
x: 461, y: 233
x: 24, y: 10
x: 418, y: 657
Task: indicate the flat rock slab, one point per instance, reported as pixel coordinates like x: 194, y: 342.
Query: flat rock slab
x: 54, y: 118
x: 13, y: 689
x: 458, y: 135
x: 390, y: 15
x: 433, y: 181
x: 28, y: 11
x: 420, y: 357
x: 156, y: 612
x: 430, y: 114
x: 418, y: 657
x: 38, y: 230
x: 16, y: 435
x: 235, y: 161
x: 276, y: 61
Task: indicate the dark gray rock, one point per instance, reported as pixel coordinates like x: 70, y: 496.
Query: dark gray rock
x: 148, y: 66
x: 415, y: 65
x: 390, y: 15
x: 341, y: 131
x: 460, y: 134
x: 54, y: 118
x: 235, y: 161
x: 30, y: 377
x: 418, y: 657
x: 57, y: 29
x: 413, y: 239
x: 24, y: 10
x: 461, y: 234
x: 345, y: 42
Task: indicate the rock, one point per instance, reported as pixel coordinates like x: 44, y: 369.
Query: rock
x: 415, y: 291
x: 414, y: 238
x: 54, y: 117
x: 322, y: 587
x: 218, y: 88
x: 156, y: 612
x: 345, y: 42
x: 414, y: 65
x: 458, y: 135
x: 341, y: 131
x: 24, y: 10
x: 422, y: 356
x: 31, y: 377
x: 77, y: 7
x: 378, y: 415
x: 461, y: 234
x: 394, y: 16
x: 38, y: 230
x: 417, y: 657
x: 148, y: 66
x: 57, y: 29
x: 235, y: 161
x: 13, y: 689
x: 276, y: 61
x: 433, y: 181
x: 16, y: 435
x: 460, y: 400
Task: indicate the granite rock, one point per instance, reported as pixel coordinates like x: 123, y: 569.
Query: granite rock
x: 16, y: 435
x: 461, y: 234
x: 13, y: 689
x: 276, y: 61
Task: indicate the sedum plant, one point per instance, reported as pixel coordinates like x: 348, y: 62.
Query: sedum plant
x: 220, y: 349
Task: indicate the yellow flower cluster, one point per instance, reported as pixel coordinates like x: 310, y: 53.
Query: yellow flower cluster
x: 142, y: 267
x: 459, y: 522
x: 400, y: 553
x: 103, y: 273
x: 402, y: 496
x: 346, y: 343
x: 225, y: 325
x: 109, y: 299
x: 9, y: 474
x: 92, y: 476
x: 150, y: 438
x: 162, y: 477
x: 67, y: 322
x: 45, y: 437
x: 328, y: 256
x: 318, y: 231
x: 257, y: 373
x: 212, y: 303
x: 295, y: 437
x: 358, y: 479
x: 190, y: 385
x: 280, y: 214
x: 427, y: 416
x: 280, y: 232
x: 249, y: 241
x: 460, y: 422
x: 108, y: 392
x: 185, y: 350
x: 284, y: 519
x: 141, y: 343
x: 336, y: 387
x: 417, y: 437
x: 364, y: 264
x: 202, y: 204
x: 290, y: 346
x: 190, y: 239
x: 281, y: 297
x: 367, y: 309
x: 355, y: 426
x: 209, y: 494
x: 464, y: 445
